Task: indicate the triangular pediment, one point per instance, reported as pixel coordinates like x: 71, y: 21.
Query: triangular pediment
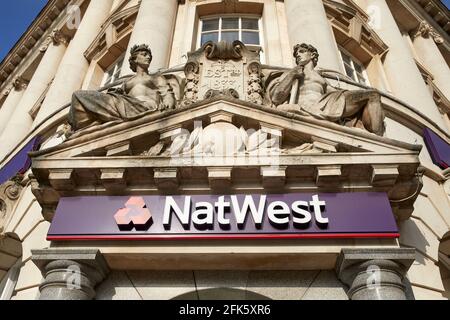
x: 295, y: 131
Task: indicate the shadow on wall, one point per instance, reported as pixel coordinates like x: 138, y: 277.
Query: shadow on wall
x: 221, y: 294
x: 444, y: 263
x: 412, y: 236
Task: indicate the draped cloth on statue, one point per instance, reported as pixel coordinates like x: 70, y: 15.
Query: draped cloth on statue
x: 331, y: 106
x: 107, y: 107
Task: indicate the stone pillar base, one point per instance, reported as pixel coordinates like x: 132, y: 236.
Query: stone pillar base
x: 70, y: 274
x: 375, y: 274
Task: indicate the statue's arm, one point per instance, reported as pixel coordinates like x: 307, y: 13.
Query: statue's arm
x: 166, y: 92
x: 281, y: 91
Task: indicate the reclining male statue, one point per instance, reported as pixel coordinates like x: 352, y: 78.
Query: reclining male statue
x: 304, y: 91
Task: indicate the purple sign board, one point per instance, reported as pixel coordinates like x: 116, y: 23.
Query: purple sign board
x: 438, y: 148
x: 276, y: 216
x: 20, y: 163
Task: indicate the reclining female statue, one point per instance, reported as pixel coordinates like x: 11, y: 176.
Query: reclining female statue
x: 140, y: 95
x: 304, y: 91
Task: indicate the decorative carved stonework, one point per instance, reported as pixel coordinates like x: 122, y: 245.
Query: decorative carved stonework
x: 255, y: 87
x: 3, y: 209
x: 9, y: 193
x: 57, y: 38
x: 426, y: 31
x: 223, y: 68
x: 225, y: 139
x: 20, y: 84
x: 7, y: 91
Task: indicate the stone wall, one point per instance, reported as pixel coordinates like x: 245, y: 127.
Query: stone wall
x: 207, y: 285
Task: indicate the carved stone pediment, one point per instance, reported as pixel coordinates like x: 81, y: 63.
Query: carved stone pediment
x: 227, y: 144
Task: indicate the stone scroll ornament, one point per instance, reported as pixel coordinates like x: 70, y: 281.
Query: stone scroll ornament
x: 303, y: 90
x: 226, y: 69
x: 9, y: 195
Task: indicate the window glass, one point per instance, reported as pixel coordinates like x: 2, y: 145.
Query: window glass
x: 113, y: 73
x: 250, y: 37
x: 230, y: 29
x: 214, y: 36
x: 230, y: 23
x: 211, y: 25
x: 349, y: 71
x: 230, y: 36
x: 358, y: 67
x: 354, y: 69
x: 250, y: 24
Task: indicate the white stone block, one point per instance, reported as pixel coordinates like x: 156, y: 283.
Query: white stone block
x: 164, y: 285
x: 117, y: 287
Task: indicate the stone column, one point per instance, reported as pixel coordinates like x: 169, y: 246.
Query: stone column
x: 70, y: 274
x: 375, y: 274
x: 426, y: 41
x: 73, y: 67
x: 21, y: 121
x: 154, y: 26
x: 15, y: 94
x: 399, y: 65
x: 308, y: 23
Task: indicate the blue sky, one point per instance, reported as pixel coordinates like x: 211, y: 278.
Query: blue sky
x: 447, y: 3
x: 15, y: 18
x: 17, y: 15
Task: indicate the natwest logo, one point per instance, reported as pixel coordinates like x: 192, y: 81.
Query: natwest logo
x: 134, y: 215
x: 238, y: 209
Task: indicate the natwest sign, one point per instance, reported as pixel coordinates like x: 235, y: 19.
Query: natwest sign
x: 343, y: 215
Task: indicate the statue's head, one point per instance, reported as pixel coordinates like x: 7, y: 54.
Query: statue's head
x: 303, y: 53
x: 140, y: 55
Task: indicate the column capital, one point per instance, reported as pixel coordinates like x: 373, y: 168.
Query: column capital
x: 20, y: 83
x: 70, y: 274
x: 426, y: 31
x: 375, y: 274
x: 56, y: 37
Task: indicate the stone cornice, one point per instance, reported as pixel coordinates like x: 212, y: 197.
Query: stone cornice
x: 29, y: 39
x: 57, y: 38
x: 116, y: 27
x: 438, y: 12
x: 351, y: 25
x: 427, y: 31
x: 434, y: 14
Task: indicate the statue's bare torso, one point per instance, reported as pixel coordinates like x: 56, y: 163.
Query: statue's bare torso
x: 311, y: 89
x: 145, y: 88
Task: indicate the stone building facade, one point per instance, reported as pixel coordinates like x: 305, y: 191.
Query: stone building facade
x: 361, y: 113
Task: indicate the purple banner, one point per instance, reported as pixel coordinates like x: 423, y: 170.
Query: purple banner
x: 438, y: 148
x: 344, y: 215
x: 20, y: 163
